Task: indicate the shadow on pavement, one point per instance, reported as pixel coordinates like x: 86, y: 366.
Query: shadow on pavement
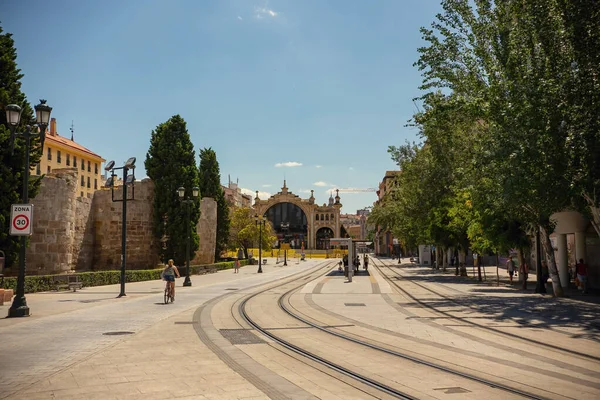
x: 545, y: 312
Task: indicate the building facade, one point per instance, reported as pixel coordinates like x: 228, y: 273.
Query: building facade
x: 385, y: 243
x: 235, y: 197
x: 60, y: 152
x: 301, y: 222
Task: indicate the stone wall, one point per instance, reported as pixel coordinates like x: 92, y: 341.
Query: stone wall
x: 141, y: 249
x: 207, y: 230
x: 83, y: 234
x: 52, y: 245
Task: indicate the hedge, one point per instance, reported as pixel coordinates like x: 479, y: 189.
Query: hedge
x: 44, y: 283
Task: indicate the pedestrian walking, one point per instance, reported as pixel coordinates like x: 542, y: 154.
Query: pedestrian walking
x: 545, y: 272
x: 524, y: 271
x: 510, y: 268
x: 366, y: 262
x: 236, y: 265
x: 581, y: 269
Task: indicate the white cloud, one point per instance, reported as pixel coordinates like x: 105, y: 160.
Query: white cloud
x: 267, y: 185
x: 321, y: 183
x: 318, y: 166
x: 351, y: 168
x: 240, y: 18
x: 289, y: 164
x: 262, y: 12
x: 304, y: 191
x: 261, y: 195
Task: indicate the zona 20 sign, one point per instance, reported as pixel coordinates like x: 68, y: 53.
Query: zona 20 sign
x: 21, y: 216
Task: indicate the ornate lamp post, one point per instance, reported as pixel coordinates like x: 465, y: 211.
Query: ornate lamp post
x: 285, y: 226
x: 19, y: 306
x: 188, y: 203
x: 165, y: 238
x: 128, y: 179
x: 260, y: 221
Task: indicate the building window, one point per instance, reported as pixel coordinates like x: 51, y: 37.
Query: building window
x: 89, y: 166
x: 38, y: 170
x: 88, y: 182
x: 58, y: 156
x: 326, y: 217
x: 49, y: 153
x: 81, y: 194
x: 82, y: 181
x: 96, y: 168
x: 332, y: 217
x: 68, y: 159
x: 95, y: 183
x: 316, y: 217
x: 75, y: 161
x: 49, y: 169
x: 82, y: 165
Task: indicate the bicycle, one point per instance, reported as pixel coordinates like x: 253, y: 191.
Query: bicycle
x: 168, y: 294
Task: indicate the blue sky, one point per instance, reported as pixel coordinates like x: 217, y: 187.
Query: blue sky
x: 311, y: 90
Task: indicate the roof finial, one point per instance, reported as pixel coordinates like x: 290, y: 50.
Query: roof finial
x: 72, y: 131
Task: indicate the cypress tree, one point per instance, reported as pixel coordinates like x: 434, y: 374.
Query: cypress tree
x: 170, y: 163
x: 12, y: 164
x: 210, y: 186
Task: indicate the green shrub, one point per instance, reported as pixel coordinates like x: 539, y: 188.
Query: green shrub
x: 44, y: 283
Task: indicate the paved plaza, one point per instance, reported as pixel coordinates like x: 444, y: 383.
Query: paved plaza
x: 91, y: 345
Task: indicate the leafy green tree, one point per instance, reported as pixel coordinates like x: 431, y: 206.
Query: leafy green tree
x: 12, y: 165
x: 210, y: 186
x: 515, y: 65
x: 245, y: 232
x: 170, y: 163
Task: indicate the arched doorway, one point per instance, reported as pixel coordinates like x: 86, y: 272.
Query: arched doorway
x: 290, y: 224
x: 323, y: 236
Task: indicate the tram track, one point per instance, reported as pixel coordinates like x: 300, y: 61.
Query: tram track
x: 528, y: 341
x: 312, y: 356
x: 347, y: 337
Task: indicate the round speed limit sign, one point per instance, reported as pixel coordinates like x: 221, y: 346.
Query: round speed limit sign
x: 20, y: 219
x: 21, y: 222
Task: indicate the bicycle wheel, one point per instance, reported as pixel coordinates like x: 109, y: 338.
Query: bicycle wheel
x: 167, y: 294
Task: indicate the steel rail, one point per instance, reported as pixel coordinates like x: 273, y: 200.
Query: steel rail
x: 408, y: 357
x: 488, y: 328
x: 320, y: 360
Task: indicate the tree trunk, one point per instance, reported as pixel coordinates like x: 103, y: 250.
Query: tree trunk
x: 595, y: 211
x: 444, y: 259
x: 521, y: 260
x: 497, y: 272
x: 479, y: 267
x: 540, y: 286
x: 552, y: 269
x: 462, y: 257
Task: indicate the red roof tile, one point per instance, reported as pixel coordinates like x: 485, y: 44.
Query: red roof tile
x: 69, y: 143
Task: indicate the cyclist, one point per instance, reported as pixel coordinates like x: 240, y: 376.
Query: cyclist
x: 168, y: 275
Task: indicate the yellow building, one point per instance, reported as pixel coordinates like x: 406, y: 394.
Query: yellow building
x: 60, y: 152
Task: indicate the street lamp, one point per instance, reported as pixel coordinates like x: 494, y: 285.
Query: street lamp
x: 260, y: 221
x: 128, y: 179
x: 188, y: 202
x: 285, y: 226
x: 19, y: 306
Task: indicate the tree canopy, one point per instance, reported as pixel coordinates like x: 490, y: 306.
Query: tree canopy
x: 171, y: 163
x: 510, y: 127
x: 12, y: 165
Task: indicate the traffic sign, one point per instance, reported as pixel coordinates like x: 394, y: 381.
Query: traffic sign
x: 21, y: 216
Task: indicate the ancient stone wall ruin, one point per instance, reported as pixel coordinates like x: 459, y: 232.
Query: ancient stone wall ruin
x: 207, y: 231
x: 84, y: 234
